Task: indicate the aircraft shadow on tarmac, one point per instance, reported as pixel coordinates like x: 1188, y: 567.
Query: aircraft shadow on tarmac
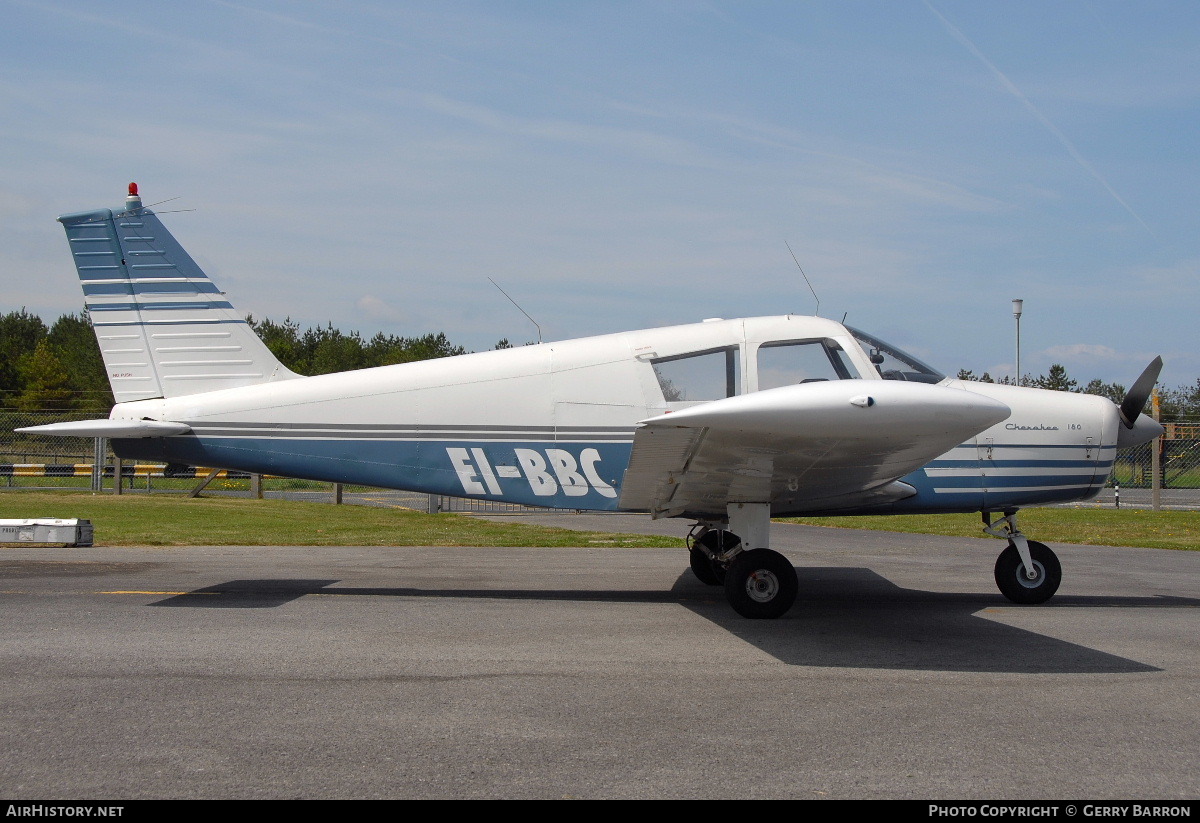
x: 844, y: 617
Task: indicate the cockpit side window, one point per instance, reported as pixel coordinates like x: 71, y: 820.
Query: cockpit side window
x: 801, y: 361
x: 698, y: 376
x: 894, y: 364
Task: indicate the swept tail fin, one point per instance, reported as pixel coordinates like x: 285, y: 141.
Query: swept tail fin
x: 165, y: 329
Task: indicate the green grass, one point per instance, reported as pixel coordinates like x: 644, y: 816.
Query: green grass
x: 170, y: 520
x: 1089, y: 526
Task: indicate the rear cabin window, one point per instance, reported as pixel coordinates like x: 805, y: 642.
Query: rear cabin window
x: 708, y: 375
x: 803, y: 361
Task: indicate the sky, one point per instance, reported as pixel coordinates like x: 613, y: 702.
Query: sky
x: 624, y: 165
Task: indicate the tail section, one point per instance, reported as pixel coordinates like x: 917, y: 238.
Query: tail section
x: 165, y: 329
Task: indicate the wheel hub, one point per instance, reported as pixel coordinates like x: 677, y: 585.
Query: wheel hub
x: 762, y: 586
x: 1031, y: 581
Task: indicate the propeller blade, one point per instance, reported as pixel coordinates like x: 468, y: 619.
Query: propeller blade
x: 1139, y: 393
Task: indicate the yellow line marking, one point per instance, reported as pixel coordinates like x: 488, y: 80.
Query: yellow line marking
x: 140, y: 592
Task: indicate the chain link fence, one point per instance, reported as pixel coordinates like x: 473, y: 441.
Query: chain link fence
x: 1178, y: 460
x: 38, y: 461
x: 35, y: 461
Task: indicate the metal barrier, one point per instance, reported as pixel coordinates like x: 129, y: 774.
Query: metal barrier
x: 468, y: 505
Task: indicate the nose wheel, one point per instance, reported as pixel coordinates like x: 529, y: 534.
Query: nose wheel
x: 1015, y: 581
x: 1027, y: 571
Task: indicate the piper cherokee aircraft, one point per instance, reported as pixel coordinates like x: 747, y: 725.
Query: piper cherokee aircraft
x: 724, y: 422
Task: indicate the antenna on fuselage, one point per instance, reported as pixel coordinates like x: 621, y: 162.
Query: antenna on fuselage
x: 518, y: 305
x: 806, y: 280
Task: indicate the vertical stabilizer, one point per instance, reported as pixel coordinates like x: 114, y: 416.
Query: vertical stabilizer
x: 165, y: 329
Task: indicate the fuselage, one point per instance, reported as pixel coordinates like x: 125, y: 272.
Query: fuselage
x: 553, y: 424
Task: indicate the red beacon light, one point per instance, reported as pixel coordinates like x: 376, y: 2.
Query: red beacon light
x: 133, y: 201
x: 133, y: 192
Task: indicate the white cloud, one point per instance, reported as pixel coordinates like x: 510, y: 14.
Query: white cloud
x: 376, y: 310
x: 1091, y: 350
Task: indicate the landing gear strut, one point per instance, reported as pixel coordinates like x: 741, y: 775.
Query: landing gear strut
x: 759, y: 582
x: 709, y: 547
x: 1027, y: 571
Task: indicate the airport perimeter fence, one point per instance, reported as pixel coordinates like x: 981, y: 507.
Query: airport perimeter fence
x: 44, y: 462
x: 1178, y: 460
x: 32, y: 461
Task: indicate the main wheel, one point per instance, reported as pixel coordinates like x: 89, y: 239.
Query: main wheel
x: 1017, y: 586
x: 704, y: 567
x: 761, y: 583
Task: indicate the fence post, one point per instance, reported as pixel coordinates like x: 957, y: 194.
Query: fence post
x: 117, y: 476
x: 1155, y: 459
x: 98, y: 459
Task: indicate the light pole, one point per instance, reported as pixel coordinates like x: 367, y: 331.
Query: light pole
x: 1017, y: 316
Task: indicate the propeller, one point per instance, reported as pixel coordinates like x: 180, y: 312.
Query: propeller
x: 1135, y: 399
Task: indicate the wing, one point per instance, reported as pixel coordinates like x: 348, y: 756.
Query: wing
x: 808, y: 447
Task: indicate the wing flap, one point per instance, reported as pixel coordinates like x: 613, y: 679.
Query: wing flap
x: 661, y: 455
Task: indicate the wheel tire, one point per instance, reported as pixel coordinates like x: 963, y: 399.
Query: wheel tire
x: 704, y: 567
x: 1010, y: 574
x: 761, y: 584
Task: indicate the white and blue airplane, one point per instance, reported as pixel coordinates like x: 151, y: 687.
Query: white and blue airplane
x: 725, y: 422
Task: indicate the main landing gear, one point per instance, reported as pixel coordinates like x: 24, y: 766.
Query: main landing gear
x: 1027, y: 571
x: 759, y: 582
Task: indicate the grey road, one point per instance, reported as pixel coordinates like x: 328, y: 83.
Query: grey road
x: 594, y: 672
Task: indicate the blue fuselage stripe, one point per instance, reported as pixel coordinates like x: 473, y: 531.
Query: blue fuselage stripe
x: 575, y: 474
x: 565, y: 469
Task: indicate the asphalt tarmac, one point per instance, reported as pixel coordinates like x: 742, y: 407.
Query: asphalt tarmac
x: 594, y: 672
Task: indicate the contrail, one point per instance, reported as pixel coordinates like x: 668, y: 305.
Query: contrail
x: 1041, y: 118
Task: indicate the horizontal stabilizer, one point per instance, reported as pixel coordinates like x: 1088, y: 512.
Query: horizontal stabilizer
x: 109, y: 428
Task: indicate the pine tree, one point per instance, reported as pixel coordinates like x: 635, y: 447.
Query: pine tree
x: 74, y: 343
x: 1056, y: 380
x: 47, y: 385
x: 20, y: 333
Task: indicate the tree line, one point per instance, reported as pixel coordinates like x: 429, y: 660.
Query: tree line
x: 59, y: 368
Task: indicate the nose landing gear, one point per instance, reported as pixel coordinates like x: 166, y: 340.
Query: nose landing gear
x: 1027, y: 571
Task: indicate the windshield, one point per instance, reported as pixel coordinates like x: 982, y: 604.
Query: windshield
x: 894, y: 364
